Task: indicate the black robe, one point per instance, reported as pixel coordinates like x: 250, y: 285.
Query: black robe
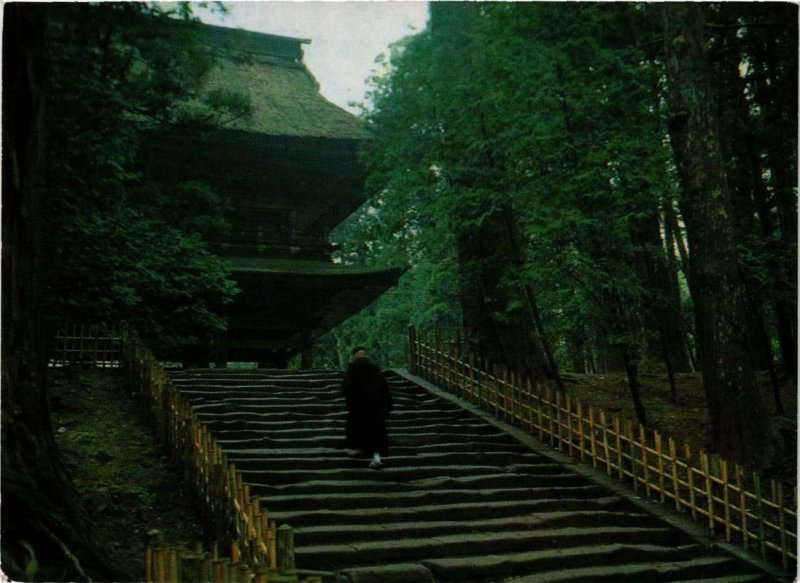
x: 369, y: 402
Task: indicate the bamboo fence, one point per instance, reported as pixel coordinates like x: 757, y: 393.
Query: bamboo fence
x: 260, y: 551
x: 761, y: 516
x: 178, y: 564
x: 86, y: 345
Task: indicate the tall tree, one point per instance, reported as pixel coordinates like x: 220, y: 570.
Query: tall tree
x: 739, y: 423
x: 75, y: 243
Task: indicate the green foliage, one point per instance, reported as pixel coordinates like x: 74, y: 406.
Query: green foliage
x: 556, y: 114
x: 523, y: 107
x: 122, y: 247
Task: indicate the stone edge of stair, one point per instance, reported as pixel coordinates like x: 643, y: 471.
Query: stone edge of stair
x: 397, y: 573
x: 668, y: 515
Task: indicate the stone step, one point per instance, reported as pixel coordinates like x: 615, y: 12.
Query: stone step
x: 326, y: 535
x: 336, y: 427
x: 404, y: 445
x: 438, y: 512
x: 411, y: 500
x: 448, y: 546
x: 278, y: 414
x: 438, y: 482
x: 459, y: 499
x: 415, y: 444
x: 485, y: 567
x: 303, y: 425
x: 705, y: 569
x: 260, y: 385
x: 258, y: 471
x: 281, y: 398
x: 272, y: 458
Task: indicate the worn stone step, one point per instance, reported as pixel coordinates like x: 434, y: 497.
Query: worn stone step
x: 437, y: 512
x: 273, y: 459
x: 413, y: 444
x: 254, y: 416
x: 443, y: 482
x: 335, y: 426
x: 459, y: 499
x: 300, y: 427
x: 263, y: 385
x: 266, y: 407
x: 277, y: 398
x: 393, y: 573
x: 541, y: 522
x: 258, y: 471
x: 479, y: 542
x: 496, y: 566
x: 271, y: 473
x: 705, y: 569
x: 333, y: 447
x: 735, y: 578
x: 409, y: 500
x: 278, y: 414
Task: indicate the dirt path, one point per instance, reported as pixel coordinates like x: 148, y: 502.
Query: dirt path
x: 125, y: 482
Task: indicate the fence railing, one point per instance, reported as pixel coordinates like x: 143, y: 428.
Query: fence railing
x: 734, y: 504
x: 178, y: 564
x: 238, y: 519
x: 91, y: 345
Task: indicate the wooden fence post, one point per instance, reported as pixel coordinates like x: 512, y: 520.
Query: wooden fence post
x: 705, y: 466
x: 412, y: 349
x: 606, y: 452
x: 286, y: 562
x: 673, y: 456
x: 726, y: 503
x: 690, y: 481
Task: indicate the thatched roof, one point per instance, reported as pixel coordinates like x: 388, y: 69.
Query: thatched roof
x: 284, y: 95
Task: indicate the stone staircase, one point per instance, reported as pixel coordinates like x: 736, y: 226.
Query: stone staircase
x: 458, y: 500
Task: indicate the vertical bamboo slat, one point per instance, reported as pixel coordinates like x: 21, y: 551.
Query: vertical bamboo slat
x: 606, y: 453
x: 550, y: 417
x: 660, y: 467
x: 709, y: 491
x: 739, y: 470
x: 726, y: 501
x: 568, y: 413
x: 618, y: 444
x: 579, y: 413
x: 690, y: 481
x: 645, y: 467
x: 632, y: 443
x: 762, y: 549
x: 673, y: 457
x: 782, y: 526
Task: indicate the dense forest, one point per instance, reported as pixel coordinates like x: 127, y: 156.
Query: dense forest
x: 582, y: 187
x: 589, y: 189
x: 85, y: 239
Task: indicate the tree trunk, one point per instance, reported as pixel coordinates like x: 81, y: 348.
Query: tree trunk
x: 749, y: 194
x: 740, y: 427
x: 774, y: 60
x: 646, y: 235
x: 483, y: 253
x: 674, y: 241
x: 38, y: 509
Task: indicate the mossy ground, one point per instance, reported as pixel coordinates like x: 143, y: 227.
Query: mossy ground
x: 124, y: 479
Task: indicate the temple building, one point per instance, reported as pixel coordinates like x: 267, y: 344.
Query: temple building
x: 289, y: 173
